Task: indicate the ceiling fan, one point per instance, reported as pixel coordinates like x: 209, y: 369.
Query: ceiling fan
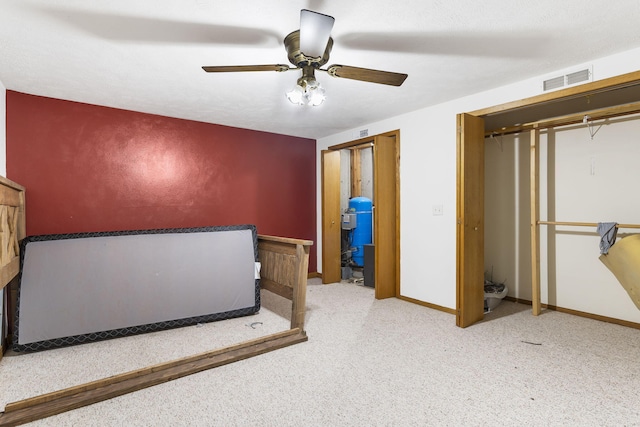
x: 308, y: 49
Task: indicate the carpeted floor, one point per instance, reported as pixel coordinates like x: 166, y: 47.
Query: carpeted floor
x: 367, y: 363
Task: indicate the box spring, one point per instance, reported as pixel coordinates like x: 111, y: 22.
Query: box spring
x: 83, y: 287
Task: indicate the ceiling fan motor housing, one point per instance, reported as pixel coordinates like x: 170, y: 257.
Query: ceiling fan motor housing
x: 299, y: 59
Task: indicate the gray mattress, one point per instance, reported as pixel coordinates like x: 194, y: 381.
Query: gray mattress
x: 76, y: 288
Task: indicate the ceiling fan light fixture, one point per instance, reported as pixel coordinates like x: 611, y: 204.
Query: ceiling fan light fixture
x: 296, y: 95
x: 315, y: 94
x: 307, y: 92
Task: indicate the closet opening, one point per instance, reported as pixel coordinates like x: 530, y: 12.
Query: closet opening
x: 360, y: 213
x: 549, y: 153
x: 356, y: 206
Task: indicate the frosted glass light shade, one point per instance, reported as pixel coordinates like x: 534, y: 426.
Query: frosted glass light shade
x: 315, y: 30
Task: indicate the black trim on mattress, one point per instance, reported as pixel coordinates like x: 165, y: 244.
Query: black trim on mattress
x: 139, y: 329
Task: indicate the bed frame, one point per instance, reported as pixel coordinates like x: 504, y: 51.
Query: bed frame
x: 12, y: 231
x: 284, y: 270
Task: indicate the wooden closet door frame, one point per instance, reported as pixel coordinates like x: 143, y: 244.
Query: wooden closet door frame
x: 331, y: 220
x: 386, y: 221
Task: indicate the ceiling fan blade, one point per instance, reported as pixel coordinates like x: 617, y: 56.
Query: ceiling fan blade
x: 119, y: 27
x: 236, y: 68
x: 315, y: 30
x: 450, y: 43
x: 367, y: 75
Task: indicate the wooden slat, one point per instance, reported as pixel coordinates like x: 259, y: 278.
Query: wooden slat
x: 10, y: 192
x: 278, y: 267
x: 288, y: 240
x: 9, y: 271
x: 9, y: 196
x: 75, y: 397
x: 277, y: 288
x: 21, y: 230
x: 277, y: 247
x: 535, y: 235
x: 299, y: 296
x: 356, y: 173
x: 603, y: 113
x: 12, y: 228
x: 352, y: 145
x: 584, y: 224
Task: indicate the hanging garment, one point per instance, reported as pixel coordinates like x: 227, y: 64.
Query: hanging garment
x: 608, y: 232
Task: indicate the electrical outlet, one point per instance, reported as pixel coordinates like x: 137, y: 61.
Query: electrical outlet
x: 437, y: 210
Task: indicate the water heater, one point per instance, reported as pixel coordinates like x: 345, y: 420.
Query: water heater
x: 362, y: 208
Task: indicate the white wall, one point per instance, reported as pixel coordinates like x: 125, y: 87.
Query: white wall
x: 3, y: 130
x: 428, y: 177
x: 583, y: 180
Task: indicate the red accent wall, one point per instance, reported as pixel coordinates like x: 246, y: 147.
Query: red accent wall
x: 92, y: 168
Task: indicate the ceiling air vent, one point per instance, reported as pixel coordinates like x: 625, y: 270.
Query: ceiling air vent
x: 578, y: 77
x: 567, y: 80
x: 554, y: 83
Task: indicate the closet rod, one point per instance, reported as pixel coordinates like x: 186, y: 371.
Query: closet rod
x: 599, y: 114
x: 585, y: 224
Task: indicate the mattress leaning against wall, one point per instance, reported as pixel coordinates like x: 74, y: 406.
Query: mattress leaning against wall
x: 85, y: 287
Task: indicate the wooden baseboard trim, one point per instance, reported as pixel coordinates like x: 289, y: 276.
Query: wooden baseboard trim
x: 49, y: 404
x: 579, y: 313
x: 427, y: 304
x: 314, y: 274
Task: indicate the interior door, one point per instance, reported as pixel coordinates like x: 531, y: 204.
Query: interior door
x: 386, y: 216
x: 331, y: 221
x: 470, y: 220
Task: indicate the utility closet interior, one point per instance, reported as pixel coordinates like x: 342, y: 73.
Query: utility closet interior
x: 357, y: 207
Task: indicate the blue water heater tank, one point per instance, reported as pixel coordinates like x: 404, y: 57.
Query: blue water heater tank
x: 362, y: 207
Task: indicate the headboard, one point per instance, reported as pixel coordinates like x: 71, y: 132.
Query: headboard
x: 12, y: 231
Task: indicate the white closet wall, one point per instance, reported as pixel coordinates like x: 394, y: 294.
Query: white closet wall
x: 581, y: 179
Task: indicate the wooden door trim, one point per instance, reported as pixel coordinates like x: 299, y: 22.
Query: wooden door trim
x: 604, y: 85
x: 369, y: 141
x: 329, y: 274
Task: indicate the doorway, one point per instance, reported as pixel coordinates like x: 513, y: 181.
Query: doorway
x: 385, y: 154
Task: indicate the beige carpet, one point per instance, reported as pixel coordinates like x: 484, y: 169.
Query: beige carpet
x: 367, y: 363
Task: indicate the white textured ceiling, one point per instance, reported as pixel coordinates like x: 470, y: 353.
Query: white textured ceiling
x: 146, y: 55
